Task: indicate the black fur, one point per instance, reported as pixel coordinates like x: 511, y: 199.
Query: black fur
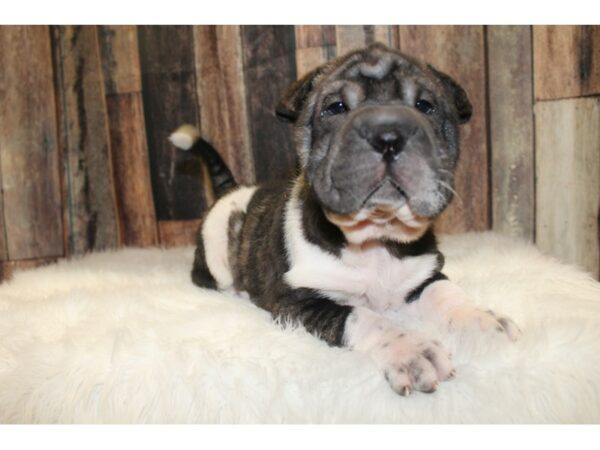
x: 416, y: 292
x: 425, y: 244
x: 234, y: 226
x: 262, y: 239
x: 317, y: 229
x: 201, y: 276
x: 320, y: 315
x: 220, y: 175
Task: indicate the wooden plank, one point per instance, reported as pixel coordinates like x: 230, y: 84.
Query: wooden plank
x: 131, y: 165
x: 269, y: 69
x: 169, y: 97
x: 29, y: 165
x: 9, y: 268
x: 120, y: 59
x: 220, y: 85
x: 568, y: 180
x: 459, y: 52
x: 387, y: 34
x: 3, y: 248
x: 566, y: 61
x: 123, y: 85
x: 309, y: 36
x: 315, y: 45
x: 352, y: 37
x: 91, y: 204
x: 511, y: 130
x: 176, y: 233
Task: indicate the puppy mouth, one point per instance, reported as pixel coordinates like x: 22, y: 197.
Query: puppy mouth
x: 392, y: 198
x: 387, y: 210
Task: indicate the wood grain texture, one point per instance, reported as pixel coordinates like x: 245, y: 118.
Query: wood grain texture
x: 568, y: 180
x: 269, y: 68
x: 131, y: 165
x: 387, y: 34
x: 221, y: 90
x: 315, y: 45
x: 91, y: 204
x: 352, y: 37
x: 3, y: 248
x: 566, y: 61
x: 176, y: 233
x: 309, y: 36
x: 511, y: 130
x: 120, y: 59
x: 169, y: 97
x: 29, y: 161
x: 459, y: 52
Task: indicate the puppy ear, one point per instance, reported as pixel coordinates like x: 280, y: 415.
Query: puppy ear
x: 461, y: 101
x: 290, y: 105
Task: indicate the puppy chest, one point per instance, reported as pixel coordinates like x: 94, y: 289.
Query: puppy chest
x: 362, y: 277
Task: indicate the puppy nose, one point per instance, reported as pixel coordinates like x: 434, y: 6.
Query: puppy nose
x: 389, y: 143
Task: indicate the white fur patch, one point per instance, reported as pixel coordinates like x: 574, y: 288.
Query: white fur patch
x: 448, y: 304
x: 365, y: 275
x: 215, y: 233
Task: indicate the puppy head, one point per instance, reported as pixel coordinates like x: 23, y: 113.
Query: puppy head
x: 377, y: 137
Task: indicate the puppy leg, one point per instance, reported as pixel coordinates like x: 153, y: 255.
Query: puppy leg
x: 408, y: 360
x: 447, y: 303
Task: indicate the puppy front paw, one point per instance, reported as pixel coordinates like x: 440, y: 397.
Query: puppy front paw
x: 411, y: 362
x: 467, y: 317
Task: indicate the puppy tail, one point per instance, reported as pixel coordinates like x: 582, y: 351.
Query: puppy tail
x: 187, y: 137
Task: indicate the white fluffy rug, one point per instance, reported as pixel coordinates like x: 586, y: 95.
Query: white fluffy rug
x: 125, y: 337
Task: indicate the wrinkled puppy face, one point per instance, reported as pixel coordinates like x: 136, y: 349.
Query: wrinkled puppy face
x: 377, y: 136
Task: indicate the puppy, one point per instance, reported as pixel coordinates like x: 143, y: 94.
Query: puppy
x: 350, y: 239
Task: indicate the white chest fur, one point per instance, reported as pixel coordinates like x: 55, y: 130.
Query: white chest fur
x: 362, y: 276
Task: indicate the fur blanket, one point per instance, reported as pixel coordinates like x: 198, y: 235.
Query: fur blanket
x: 125, y: 337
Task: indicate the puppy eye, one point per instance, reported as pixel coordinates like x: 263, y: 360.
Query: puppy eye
x: 335, y: 108
x: 424, y: 106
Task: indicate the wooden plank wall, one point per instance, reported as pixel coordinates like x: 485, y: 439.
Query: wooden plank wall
x: 93, y: 168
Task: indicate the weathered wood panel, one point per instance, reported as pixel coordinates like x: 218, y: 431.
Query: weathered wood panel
x: 352, y: 37
x: 175, y: 233
x: 566, y: 61
x: 120, y: 59
x: 222, y: 94
x: 3, y: 248
x: 315, y: 45
x: 387, y: 34
x: 459, y: 52
x: 308, y: 36
x: 91, y: 204
x: 169, y: 97
x: 511, y: 130
x: 269, y: 68
x: 29, y: 162
x: 568, y: 180
x: 8, y: 268
x: 131, y: 166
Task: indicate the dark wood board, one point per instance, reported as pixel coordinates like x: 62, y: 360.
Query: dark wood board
x: 269, y: 68
x: 91, y: 210
x: 169, y: 97
x: 29, y: 154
